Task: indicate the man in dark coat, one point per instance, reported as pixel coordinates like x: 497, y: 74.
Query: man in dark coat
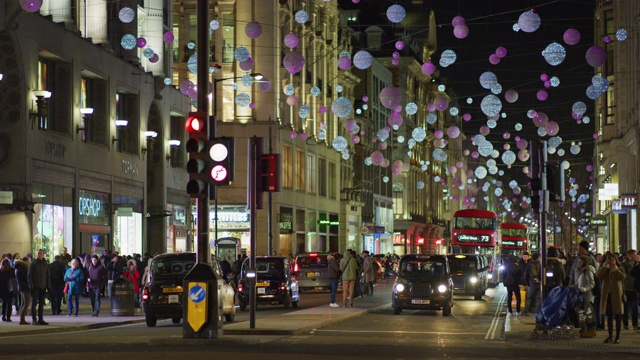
x: 96, y: 279
x: 511, y: 279
x: 39, y: 283
x: 56, y: 272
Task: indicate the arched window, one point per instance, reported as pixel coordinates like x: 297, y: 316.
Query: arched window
x: 398, y: 199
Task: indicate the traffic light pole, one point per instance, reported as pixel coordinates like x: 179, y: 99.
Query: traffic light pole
x: 540, y: 204
x: 201, y: 297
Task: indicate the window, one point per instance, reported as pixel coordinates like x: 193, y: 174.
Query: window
x: 177, y: 132
x: 55, y: 76
x: 322, y: 177
x: 311, y: 174
x: 299, y: 171
x: 127, y: 108
x: 331, y: 180
x: 287, y: 162
x: 397, y: 199
x: 611, y: 103
x: 93, y: 94
x: 228, y: 40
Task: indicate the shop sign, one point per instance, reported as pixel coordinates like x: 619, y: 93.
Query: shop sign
x: 328, y: 222
x: 398, y: 239
x: 616, y: 207
x: 598, y: 221
x: 6, y: 197
x: 93, y: 207
x: 438, y: 242
x: 420, y: 241
x: 629, y: 201
x: 54, y: 149
x: 379, y: 229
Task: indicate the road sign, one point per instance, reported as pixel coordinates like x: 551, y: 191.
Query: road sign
x: 197, y: 304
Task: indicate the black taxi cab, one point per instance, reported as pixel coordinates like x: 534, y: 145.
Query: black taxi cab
x: 161, y: 295
x: 275, y: 283
x: 423, y: 283
x: 469, y: 274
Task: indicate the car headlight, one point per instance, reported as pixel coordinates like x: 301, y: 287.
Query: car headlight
x: 489, y: 276
x: 473, y: 280
x: 442, y: 288
x: 399, y: 287
x: 501, y: 267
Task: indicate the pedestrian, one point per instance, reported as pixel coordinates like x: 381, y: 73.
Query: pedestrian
x: 630, y: 267
x: 114, y: 271
x: 39, y: 282
x: 585, y: 282
x: 349, y: 268
x: 133, y: 274
x: 7, y: 273
x: 511, y: 280
x: 22, y: 275
x: 74, y: 278
x: 532, y: 276
x: 57, y: 269
x: 65, y: 257
x: 611, y: 302
x: 555, y: 268
x: 96, y: 279
x: 333, y: 271
x: 367, y: 273
x: 575, y: 272
x: 225, y: 268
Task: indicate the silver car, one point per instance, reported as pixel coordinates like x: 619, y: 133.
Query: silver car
x: 311, y: 270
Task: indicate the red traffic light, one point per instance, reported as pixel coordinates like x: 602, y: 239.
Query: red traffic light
x: 196, y: 122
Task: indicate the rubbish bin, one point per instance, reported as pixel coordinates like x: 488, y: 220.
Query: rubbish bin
x: 122, y: 302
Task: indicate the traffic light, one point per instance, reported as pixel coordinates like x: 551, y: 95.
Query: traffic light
x: 196, y: 126
x: 221, y: 151
x: 555, y: 182
x: 271, y: 172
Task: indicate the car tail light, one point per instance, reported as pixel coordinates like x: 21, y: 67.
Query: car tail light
x: 296, y: 268
x: 283, y: 285
x: 239, y: 287
x: 145, y: 293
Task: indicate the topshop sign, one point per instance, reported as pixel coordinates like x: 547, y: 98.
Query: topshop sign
x: 92, y: 207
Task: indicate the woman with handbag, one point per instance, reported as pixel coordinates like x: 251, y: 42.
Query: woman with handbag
x: 611, y: 304
x: 7, y: 283
x: 75, y: 280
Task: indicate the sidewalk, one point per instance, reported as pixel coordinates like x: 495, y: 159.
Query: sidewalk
x: 519, y: 329
x: 266, y: 327
x: 63, y: 323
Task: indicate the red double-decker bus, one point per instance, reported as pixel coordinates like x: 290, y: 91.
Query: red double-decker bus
x: 514, y: 237
x: 476, y: 232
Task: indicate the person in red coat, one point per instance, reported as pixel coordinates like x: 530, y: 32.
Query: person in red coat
x: 133, y: 274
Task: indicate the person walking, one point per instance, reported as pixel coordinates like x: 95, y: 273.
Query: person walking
x: 349, y: 268
x: 57, y: 269
x: 367, y: 273
x: 630, y: 267
x: 6, y: 274
x: 611, y: 304
x: 333, y: 270
x: 511, y: 280
x: 532, y: 276
x: 39, y: 284
x: 97, y: 277
x: 133, y: 275
x: 75, y: 279
x: 22, y: 275
x: 585, y: 282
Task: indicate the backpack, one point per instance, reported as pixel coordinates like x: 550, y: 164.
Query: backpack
x: 557, y: 278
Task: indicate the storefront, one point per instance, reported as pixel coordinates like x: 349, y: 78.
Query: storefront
x: 52, y: 219
x: 177, y: 229
x: 233, y: 222
x: 127, y: 216
x: 93, y: 222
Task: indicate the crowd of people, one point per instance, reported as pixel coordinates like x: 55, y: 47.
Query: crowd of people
x: 26, y: 282
x: 609, y: 284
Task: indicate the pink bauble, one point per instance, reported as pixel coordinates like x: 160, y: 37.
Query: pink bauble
x: 547, y: 84
x: 438, y: 134
x: 571, y: 36
x: 322, y: 109
x: 390, y: 97
x: 428, y: 68
x: 376, y: 157
x: 544, y: 77
x: 365, y: 98
x: 441, y: 103
x: 461, y: 31
x: 466, y: 117
x: 511, y: 96
x: 395, y: 119
x: 501, y: 51
x: 154, y: 58
x: 293, y: 134
x: 291, y: 40
x: 293, y: 62
x: 350, y: 124
x: 540, y: 119
x: 431, y: 107
x: 506, y: 135
x: 596, y: 56
x: 552, y: 128
x: 168, y: 37
x: 542, y: 95
x: 304, y: 136
x: 247, y: 65
x: 494, y: 59
x: 253, y: 29
x: 141, y: 42
x: 395, y: 61
x: 484, y: 130
x: 399, y: 45
x: 344, y: 63
x: 30, y: 5
x: 292, y: 100
x: 453, y: 132
x: 395, y: 55
x: 458, y: 20
x: 475, y: 154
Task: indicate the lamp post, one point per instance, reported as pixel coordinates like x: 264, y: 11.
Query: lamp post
x: 214, y: 131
